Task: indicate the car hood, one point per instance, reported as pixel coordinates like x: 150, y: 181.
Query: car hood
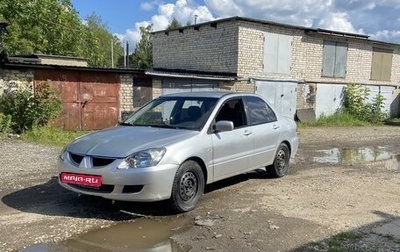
x: 122, y: 141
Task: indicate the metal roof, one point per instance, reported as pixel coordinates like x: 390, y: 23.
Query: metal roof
x: 308, y: 30
x: 178, y: 73
x: 33, y: 64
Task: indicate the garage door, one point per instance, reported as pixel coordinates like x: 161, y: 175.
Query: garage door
x: 329, y: 99
x: 282, y: 95
x: 386, y: 92
x: 90, y: 99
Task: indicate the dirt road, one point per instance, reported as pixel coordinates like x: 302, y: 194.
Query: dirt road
x: 342, y: 179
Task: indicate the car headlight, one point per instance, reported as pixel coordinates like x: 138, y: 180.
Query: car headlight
x: 143, y: 159
x: 63, y: 154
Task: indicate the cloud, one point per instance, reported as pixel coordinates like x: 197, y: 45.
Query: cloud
x: 148, y: 6
x: 385, y: 35
x: 302, y: 13
x: 224, y: 8
x: 183, y: 10
x: 338, y: 22
x: 377, y: 17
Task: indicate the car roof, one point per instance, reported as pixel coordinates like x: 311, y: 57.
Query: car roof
x: 210, y: 94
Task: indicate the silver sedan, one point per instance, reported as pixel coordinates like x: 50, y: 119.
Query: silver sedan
x: 176, y: 144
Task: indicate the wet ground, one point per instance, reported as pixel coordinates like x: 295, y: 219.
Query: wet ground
x: 142, y: 234
x: 154, y: 234
x: 325, y: 192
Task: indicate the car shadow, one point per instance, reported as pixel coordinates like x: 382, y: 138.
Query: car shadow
x: 381, y: 235
x: 256, y: 174
x: 53, y: 200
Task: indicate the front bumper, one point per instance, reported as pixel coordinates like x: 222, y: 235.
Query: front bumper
x: 140, y: 184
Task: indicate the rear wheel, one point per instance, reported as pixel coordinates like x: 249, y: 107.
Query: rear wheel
x: 188, y: 186
x: 280, y: 166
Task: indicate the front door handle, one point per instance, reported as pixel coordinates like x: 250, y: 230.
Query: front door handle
x: 247, y: 133
x: 275, y: 127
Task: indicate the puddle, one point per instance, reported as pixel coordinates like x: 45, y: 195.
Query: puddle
x: 355, y: 155
x: 144, y: 235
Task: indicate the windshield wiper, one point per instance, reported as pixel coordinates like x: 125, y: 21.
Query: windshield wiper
x: 162, y: 126
x: 126, y: 124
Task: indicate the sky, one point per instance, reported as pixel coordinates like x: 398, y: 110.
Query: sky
x: 379, y: 19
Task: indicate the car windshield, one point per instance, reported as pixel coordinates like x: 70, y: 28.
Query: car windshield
x: 174, y: 112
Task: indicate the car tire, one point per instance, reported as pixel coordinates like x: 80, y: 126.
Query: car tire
x: 280, y: 166
x: 188, y: 187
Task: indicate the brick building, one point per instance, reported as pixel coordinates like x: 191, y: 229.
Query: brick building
x: 293, y: 67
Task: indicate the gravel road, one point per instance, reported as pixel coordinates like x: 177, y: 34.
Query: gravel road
x: 327, y: 191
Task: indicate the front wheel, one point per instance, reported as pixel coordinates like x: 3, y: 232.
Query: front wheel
x: 187, y: 188
x: 280, y: 166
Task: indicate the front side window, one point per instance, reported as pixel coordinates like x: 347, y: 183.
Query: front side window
x: 233, y: 111
x: 259, y: 111
x: 334, y: 59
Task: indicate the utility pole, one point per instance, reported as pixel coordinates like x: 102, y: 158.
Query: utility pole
x: 112, y: 53
x: 127, y: 54
x: 124, y: 55
x: 3, y: 31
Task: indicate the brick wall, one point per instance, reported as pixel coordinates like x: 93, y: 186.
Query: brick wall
x: 15, y: 79
x: 237, y: 46
x: 307, y: 55
x: 210, y: 49
x: 126, y: 93
x: 157, y: 87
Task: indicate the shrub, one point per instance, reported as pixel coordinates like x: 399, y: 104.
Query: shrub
x: 5, y: 123
x: 29, y: 110
x: 356, y: 104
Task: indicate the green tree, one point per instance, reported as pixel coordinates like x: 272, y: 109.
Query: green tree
x: 175, y: 24
x: 42, y: 26
x: 54, y: 27
x: 99, y: 41
x: 142, y: 57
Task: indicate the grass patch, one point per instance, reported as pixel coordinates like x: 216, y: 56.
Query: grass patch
x: 342, y: 119
x: 394, y: 119
x: 343, y: 242
x: 51, y: 136
x: 335, y: 243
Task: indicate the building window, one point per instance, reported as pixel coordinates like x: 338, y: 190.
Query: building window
x: 381, y: 64
x: 277, y: 53
x: 334, y: 59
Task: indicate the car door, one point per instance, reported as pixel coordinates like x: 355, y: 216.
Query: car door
x: 265, y: 129
x: 231, y: 149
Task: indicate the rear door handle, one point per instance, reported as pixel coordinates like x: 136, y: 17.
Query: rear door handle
x: 275, y: 127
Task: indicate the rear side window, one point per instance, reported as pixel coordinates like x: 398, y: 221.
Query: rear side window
x: 259, y: 111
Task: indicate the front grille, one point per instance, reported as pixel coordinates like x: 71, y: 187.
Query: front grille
x: 77, y: 159
x: 97, y: 161
x: 101, y: 189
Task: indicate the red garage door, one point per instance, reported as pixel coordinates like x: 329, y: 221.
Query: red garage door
x: 90, y: 99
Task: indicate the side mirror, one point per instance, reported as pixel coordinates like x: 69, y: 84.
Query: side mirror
x: 223, y: 125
